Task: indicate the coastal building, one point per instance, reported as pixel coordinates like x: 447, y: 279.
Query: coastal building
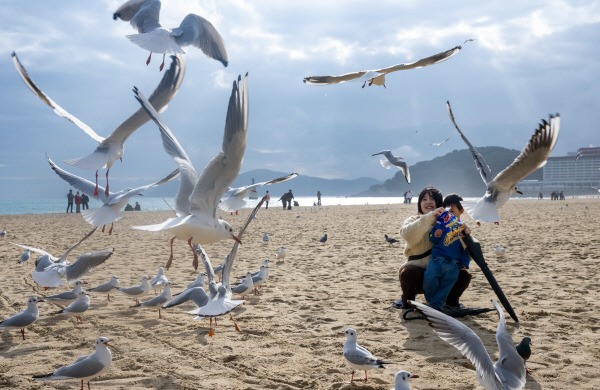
x: 577, y: 173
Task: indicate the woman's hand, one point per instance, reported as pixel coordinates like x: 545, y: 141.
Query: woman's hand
x: 437, y: 212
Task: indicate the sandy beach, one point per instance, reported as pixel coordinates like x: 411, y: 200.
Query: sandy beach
x: 289, y: 334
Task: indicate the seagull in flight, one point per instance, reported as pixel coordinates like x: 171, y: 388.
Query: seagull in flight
x: 509, y: 370
x: 499, y: 189
x: 194, y: 30
x: 234, y: 197
x: 440, y: 143
x: 197, y: 199
x: 111, y: 148
x: 390, y: 160
x: 113, y: 202
x: 377, y: 77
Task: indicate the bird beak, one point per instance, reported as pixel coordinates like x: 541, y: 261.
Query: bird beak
x: 518, y: 192
x: 341, y: 333
x: 107, y: 344
x: 41, y: 300
x: 413, y: 376
x: 82, y: 282
x: 236, y: 239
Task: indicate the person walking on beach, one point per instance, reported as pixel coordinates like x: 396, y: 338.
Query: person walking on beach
x: 409, y: 196
x: 286, y: 199
x: 84, y: 202
x: 77, y: 203
x: 318, y: 198
x: 267, y: 199
x: 70, y: 198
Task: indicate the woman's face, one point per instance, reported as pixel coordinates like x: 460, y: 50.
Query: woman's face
x: 427, y: 204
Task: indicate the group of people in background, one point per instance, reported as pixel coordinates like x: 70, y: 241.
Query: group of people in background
x: 131, y: 208
x: 408, y: 195
x: 557, y: 195
x: 81, y: 202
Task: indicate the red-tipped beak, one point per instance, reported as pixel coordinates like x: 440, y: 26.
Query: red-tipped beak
x: 236, y: 239
x: 41, y: 300
x: 341, y: 333
x: 107, y: 344
x: 252, y: 190
x: 414, y: 376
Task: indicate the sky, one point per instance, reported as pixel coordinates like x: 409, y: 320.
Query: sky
x: 529, y: 59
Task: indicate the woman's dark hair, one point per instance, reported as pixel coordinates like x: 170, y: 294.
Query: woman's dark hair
x: 453, y: 199
x: 434, y: 193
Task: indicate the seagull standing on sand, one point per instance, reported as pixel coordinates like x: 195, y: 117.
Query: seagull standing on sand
x: 107, y: 287
x: 357, y: 357
x: 499, y: 251
x: 265, y: 237
x: 377, y: 77
x: 393, y: 160
x: 66, y: 298
x: 111, y: 148
x: 113, y: 202
x: 281, y: 253
x: 137, y: 291
x: 194, y: 30
x: 159, y: 279
x: 24, y: 257
x: 401, y: 380
x: 77, y: 308
x: 3, y: 233
x: 197, y: 198
x: 85, y: 367
x: 199, y: 282
x: 24, y: 318
x: 509, y: 370
x: 500, y: 188
x: 245, y: 286
x: 159, y: 300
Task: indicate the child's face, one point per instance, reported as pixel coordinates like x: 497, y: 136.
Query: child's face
x: 454, y: 210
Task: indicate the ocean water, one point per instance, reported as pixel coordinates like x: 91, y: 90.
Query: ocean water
x: 48, y: 206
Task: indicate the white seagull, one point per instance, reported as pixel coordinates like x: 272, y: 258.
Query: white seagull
x: 440, y: 143
x: 137, y: 291
x: 260, y: 278
x: 281, y: 253
x: 245, y: 286
x: 110, y: 149
x: 357, y: 357
x: 24, y: 318
x: 265, y: 237
x: 390, y: 160
x: 106, y: 288
x: 197, y: 199
x: 194, y: 30
x: 509, y: 370
x: 401, y: 380
x: 85, y: 367
x: 3, y: 233
x: 499, y: 251
x: 159, y: 279
x: 199, y: 282
x: 24, y: 257
x: 377, y: 77
x: 66, y: 298
x: 113, y: 202
x: 77, y: 308
x: 234, y: 197
x: 500, y: 188
x: 159, y: 300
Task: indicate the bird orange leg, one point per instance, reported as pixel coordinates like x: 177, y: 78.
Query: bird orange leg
x: 170, y: 257
x: 23, y: 333
x: 110, y: 231
x: 148, y: 60
x: 82, y: 384
x: 89, y: 388
x: 103, y: 228
x: 159, y: 316
x: 45, y: 288
x: 108, y: 295
x: 163, y: 63
x: 195, y: 262
x: 106, y: 190
x: 95, y: 194
x: 365, y: 83
x: 210, y: 332
x: 237, y: 329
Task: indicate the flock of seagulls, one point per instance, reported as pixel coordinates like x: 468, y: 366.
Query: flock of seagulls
x: 199, y: 196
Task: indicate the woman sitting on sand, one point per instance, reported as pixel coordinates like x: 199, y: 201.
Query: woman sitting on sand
x: 415, y: 232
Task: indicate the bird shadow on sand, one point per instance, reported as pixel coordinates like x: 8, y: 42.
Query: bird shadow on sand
x: 8, y: 342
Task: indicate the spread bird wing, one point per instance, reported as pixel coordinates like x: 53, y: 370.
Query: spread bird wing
x: 510, y: 363
x: 196, y: 31
x: 222, y: 170
x: 84, y: 263
x: 534, y: 155
x: 464, y: 339
x: 137, y: 191
x: 78, y: 182
x: 196, y: 295
x: 141, y: 14
x: 46, y: 99
x: 189, y: 177
x: 482, y: 167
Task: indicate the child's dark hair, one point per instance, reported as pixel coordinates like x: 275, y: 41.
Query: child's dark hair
x: 453, y: 199
x: 434, y: 193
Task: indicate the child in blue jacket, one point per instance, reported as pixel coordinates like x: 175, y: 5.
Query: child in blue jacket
x: 448, y: 256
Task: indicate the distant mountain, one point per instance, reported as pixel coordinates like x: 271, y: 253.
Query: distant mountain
x: 453, y: 172
x: 304, y: 185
